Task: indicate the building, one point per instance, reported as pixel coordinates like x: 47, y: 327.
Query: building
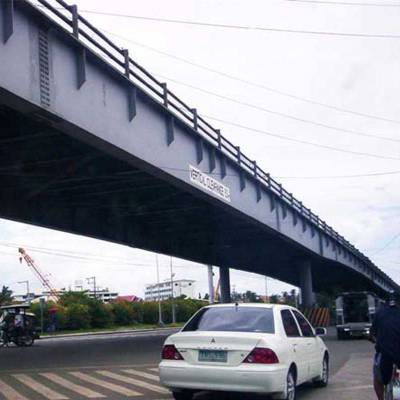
x: 163, y: 290
x: 129, y: 298
x: 104, y: 295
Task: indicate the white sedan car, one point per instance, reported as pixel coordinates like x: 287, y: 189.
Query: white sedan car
x: 254, y: 348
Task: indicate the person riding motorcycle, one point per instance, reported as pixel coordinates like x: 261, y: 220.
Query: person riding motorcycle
x: 385, y: 333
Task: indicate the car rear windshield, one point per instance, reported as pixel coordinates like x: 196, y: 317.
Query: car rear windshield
x: 233, y: 319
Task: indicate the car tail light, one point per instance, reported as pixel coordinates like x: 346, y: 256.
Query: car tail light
x: 169, y: 352
x: 261, y: 356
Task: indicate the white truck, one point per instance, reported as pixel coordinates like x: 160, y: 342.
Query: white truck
x: 355, y: 312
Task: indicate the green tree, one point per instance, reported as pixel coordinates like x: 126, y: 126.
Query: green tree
x: 274, y: 299
x: 101, y: 315
x: 77, y: 316
x: 150, y: 312
x: 251, y: 297
x: 6, y: 296
x: 71, y: 297
x: 123, y: 313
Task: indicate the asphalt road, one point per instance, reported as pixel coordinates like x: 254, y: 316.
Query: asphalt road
x: 118, y: 366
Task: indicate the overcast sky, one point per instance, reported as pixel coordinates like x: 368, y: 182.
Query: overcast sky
x: 353, y: 73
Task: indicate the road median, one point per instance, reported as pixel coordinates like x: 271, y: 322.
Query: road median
x: 108, y: 332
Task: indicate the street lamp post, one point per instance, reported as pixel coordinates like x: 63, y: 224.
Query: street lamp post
x: 28, y: 294
x: 92, y: 280
x: 160, y: 320
x: 211, y: 298
x: 172, y: 294
x: 266, y: 289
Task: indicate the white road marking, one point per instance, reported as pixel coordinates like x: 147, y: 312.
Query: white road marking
x: 107, y: 385
x: 154, y: 369
x: 81, y: 390
x: 9, y: 393
x: 142, y: 374
x: 39, y: 388
x: 132, y: 381
x: 86, y: 367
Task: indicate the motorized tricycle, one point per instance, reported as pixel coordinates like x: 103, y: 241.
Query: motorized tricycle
x: 21, y: 333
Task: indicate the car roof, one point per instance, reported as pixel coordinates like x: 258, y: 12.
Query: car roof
x: 252, y: 305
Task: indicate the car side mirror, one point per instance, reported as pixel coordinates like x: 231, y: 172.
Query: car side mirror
x: 320, y: 331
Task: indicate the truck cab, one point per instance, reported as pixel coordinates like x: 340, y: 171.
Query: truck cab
x: 355, y: 312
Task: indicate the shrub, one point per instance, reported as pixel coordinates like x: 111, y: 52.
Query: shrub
x: 149, y: 312
x: 101, y: 315
x: 77, y: 316
x: 123, y: 313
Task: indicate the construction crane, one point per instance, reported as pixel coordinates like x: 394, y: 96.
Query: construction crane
x: 43, y: 280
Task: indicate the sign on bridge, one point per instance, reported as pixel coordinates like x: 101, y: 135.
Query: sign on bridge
x: 210, y: 184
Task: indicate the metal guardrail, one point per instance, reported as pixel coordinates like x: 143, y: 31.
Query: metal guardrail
x: 119, y: 58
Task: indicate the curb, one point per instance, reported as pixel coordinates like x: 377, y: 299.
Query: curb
x: 125, y: 331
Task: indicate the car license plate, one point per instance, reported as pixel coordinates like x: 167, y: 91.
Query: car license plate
x: 213, y: 356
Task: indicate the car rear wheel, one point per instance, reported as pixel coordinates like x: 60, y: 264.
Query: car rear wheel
x: 184, y: 395
x: 323, y: 380
x: 291, y: 386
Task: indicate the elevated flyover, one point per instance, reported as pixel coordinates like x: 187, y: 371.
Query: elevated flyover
x: 92, y: 144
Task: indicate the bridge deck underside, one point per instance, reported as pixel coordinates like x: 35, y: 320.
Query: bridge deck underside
x: 51, y: 179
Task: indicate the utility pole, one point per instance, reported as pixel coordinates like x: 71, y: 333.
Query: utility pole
x: 42, y: 305
x: 211, y: 298
x: 172, y: 293
x: 92, y: 280
x: 28, y: 294
x: 160, y: 320
x: 266, y: 289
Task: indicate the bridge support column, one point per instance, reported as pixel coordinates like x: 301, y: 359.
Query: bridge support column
x: 306, y: 285
x: 225, y: 283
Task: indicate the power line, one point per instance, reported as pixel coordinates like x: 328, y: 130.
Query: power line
x: 254, y: 84
x: 326, y: 147
x: 246, y: 27
x: 278, y: 113
x: 64, y: 254
x: 71, y: 254
x: 341, y: 176
x: 301, y: 120
x: 387, y: 244
x: 347, y: 3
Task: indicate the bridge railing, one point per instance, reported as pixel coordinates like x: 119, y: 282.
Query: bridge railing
x: 120, y: 59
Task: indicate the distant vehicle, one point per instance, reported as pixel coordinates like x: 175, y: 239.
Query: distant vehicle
x: 26, y: 335
x: 355, y: 312
x: 251, y: 348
